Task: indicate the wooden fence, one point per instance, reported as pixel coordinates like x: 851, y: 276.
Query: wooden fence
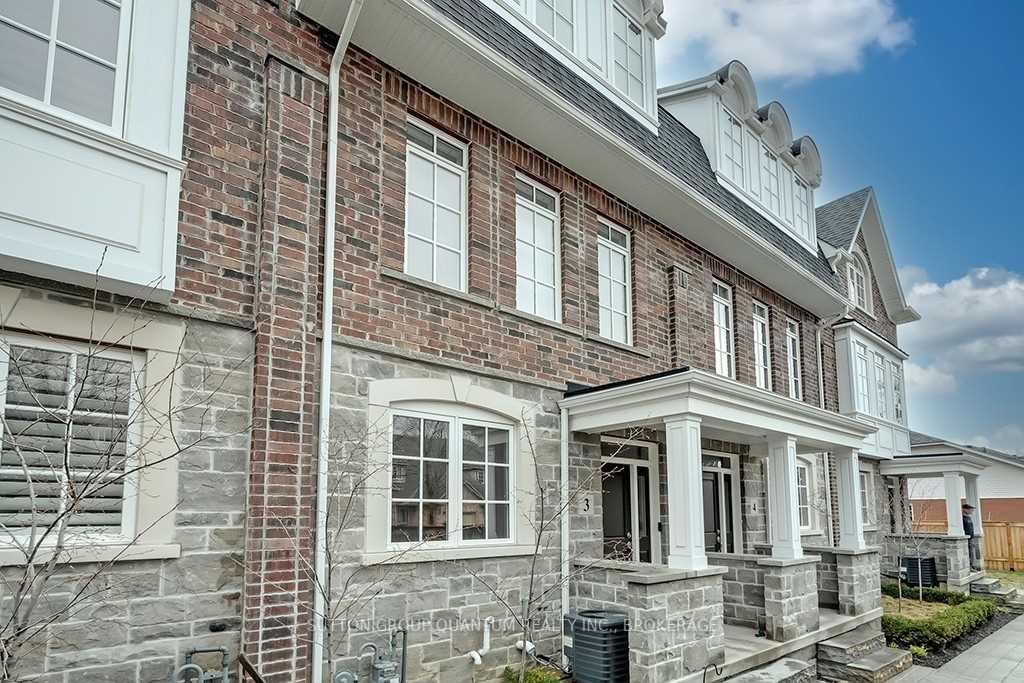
x: 1004, y: 543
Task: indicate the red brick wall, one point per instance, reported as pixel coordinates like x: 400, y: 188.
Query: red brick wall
x: 248, y: 248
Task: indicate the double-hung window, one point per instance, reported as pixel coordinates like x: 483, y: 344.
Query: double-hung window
x: 536, y: 250
x: 801, y: 210
x: 435, y: 206
x: 793, y: 359
x: 613, y: 270
x: 881, y: 399
x: 762, y: 347
x: 628, y: 56
x: 803, y: 493
x: 732, y: 147
x: 451, y: 480
x: 866, y: 497
x: 858, y: 285
x: 67, y: 55
x: 860, y: 363
x: 721, y: 301
x: 898, y: 409
x: 72, y: 423
x: 556, y: 18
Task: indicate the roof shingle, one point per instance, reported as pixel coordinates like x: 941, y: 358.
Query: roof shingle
x: 838, y: 220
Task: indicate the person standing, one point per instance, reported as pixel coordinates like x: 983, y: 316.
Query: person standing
x: 973, y: 548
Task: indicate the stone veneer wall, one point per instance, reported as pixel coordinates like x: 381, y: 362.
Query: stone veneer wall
x: 790, y: 598
x: 952, y: 559
x: 145, y: 615
x: 430, y: 597
x: 828, y: 577
x: 742, y: 589
x: 860, y: 582
x: 675, y: 617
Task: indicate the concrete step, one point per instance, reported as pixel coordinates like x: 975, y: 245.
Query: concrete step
x: 851, y: 645
x: 881, y: 665
x: 787, y: 670
x: 985, y: 585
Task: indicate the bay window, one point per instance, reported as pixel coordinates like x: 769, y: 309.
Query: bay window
x: 67, y: 55
x: 435, y: 206
x: 613, y: 273
x: 898, y: 410
x: 451, y: 479
x: 793, y: 360
x: 721, y: 299
x: 536, y: 250
x: 762, y: 347
x: 862, y: 382
x: 881, y: 398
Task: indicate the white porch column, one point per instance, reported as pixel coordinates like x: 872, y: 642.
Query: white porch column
x: 974, y: 498
x: 851, y: 524
x: 783, y: 499
x: 954, y: 518
x: 685, y: 493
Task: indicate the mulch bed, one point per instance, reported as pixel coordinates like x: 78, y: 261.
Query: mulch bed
x: 936, y: 659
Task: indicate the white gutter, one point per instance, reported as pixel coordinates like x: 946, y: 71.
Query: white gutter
x: 563, y: 505
x: 320, y: 570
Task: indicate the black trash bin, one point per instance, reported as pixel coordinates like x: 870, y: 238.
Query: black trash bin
x: 600, y: 647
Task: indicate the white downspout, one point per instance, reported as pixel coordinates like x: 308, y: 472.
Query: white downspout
x: 563, y: 505
x: 323, y: 441
x: 829, y: 517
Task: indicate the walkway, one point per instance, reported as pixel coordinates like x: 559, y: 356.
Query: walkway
x: 1000, y: 657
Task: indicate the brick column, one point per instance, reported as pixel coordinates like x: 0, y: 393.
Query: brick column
x: 790, y: 597
x: 860, y: 581
x: 279, y: 520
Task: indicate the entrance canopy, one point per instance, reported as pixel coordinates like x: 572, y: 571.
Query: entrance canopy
x: 953, y: 468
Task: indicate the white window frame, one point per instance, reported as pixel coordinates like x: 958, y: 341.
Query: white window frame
x: 536, y: 208
x: 862, y: 377
x: 120, y: 66
x: 626, y: 253
x: 761, y: 317
x: 573, y: 23
x: 723, y: 326
x: 881, y: 390
x: 455, y: 420
x: 867, y: 498
x: 803, y: 212
x: 616, y: 8
x: 858, y: 283
x: 126, y: 532
x: 771, y: 195
x: 899, y: 399
x: 794, y: 360
x: 731, y: 137
x: 809, y: 486
x: 463, y: 172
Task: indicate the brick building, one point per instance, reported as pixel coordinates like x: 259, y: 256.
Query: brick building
x: 590, y: 342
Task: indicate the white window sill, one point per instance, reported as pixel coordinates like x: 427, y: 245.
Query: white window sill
x: 811, y: 532
x: 443, y: 554
x: 11, y: 556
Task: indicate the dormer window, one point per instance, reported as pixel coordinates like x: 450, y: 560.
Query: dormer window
x: 628, y: 55
x: 801, y: 208
x: 858, y: 284
x: 556, y: 18
x: 770, y: 180
x: 732, y: 147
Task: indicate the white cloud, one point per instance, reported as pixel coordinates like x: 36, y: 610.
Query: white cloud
x: 784, y: 39
x: 928, y: 380
x: 974, y: 324
x: 1008, y: 438
x: 912, y: 275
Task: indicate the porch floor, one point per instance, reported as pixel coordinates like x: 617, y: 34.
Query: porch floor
x: 745, y: 651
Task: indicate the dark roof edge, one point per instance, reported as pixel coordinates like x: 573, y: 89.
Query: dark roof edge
x: 581, y: 389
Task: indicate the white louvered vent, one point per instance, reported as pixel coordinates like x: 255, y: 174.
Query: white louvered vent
x: 66, y: 436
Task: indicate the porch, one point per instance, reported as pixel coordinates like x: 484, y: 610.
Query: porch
x: 693, y: 511
x: 948, y: 545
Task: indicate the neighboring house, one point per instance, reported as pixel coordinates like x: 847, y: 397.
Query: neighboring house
x: 552, y: 286
x: 1000, y: 484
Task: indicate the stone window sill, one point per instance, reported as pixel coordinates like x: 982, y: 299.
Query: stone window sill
x: 393, y: 274
x: 617, y: 345
x: 384, y: 557
x: 99, y: 552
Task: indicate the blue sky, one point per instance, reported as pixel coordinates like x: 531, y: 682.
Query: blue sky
x: 919, y: 100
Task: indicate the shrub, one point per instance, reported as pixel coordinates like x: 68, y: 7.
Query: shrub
x: 934, y: 633
x: 537, y: 674
x: 927, y: 594
x: 918, y: 651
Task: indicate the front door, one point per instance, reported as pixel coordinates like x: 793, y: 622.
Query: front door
x: 717, y: 489
x: 628, y: 501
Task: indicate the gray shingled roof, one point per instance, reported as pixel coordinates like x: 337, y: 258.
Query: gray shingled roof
x: 838, y: 220
x: 676, y: 148
x: 917, y: 438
